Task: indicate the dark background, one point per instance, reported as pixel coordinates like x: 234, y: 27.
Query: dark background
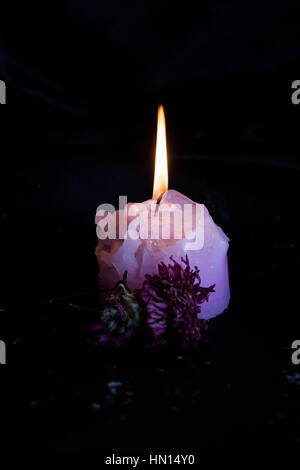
x: 83, y: 83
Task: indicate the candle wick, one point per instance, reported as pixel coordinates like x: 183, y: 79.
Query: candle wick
x: 158, y: 201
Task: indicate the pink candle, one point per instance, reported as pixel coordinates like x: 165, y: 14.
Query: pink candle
x: 140, y: 236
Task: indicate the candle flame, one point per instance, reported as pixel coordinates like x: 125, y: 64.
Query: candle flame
x: 161, y: 161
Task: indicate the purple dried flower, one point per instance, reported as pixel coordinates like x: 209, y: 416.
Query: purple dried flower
x: 173, y: 299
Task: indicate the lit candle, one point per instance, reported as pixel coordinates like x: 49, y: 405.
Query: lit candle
x: 140, y: 236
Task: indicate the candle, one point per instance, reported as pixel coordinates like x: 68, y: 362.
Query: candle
x: 138, y: 237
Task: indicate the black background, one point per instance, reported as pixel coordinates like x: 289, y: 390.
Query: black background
x: 83, y: 84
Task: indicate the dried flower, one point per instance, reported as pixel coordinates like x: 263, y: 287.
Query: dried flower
x: 120, y: 317
x: 166, y: 308
x: 173, y: 299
